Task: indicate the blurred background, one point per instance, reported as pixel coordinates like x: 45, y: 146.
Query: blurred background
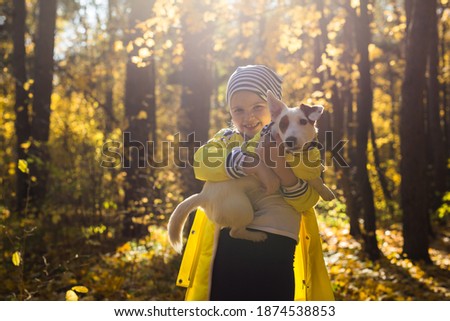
x: 84, y: 208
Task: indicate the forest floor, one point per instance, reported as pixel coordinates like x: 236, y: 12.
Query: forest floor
x: 146, y: 269
x: 392, y: 277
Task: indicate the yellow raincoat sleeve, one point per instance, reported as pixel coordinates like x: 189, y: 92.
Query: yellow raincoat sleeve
x: 210, y: 159
x: 305, y: 166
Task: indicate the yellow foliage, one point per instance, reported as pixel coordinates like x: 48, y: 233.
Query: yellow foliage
x: 209, y: 16
x: 168, y: 44
x: 333, y: 51
x: 315, y: 80
x: 124, y: 248
x: 144, y: 52
x: 374, y: 52
x: 71, y: 296
x: 139, y: 41
x: 355, y: 3
x: 23, y: 166
x: 28, y: 84
x: 56, y: 218
x: 136, y: 60
x: 142, y: 115
x: 130, y: 47
x: 4, y: 213
x: 317, y: 94
x: 16, y: 258
x: 80, y: 289
x: 25, y: 145
x: 178, y: 50
x: 118, y: 45
x: 248, y: 28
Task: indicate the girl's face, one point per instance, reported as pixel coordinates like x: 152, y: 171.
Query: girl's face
x: 249, y: 112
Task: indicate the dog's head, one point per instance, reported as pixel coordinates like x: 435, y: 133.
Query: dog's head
x: 295, y: 125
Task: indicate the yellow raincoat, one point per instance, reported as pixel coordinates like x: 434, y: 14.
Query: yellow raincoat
x: 311, y: 277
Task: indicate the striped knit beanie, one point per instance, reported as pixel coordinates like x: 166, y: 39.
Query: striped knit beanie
x: 254, y: 78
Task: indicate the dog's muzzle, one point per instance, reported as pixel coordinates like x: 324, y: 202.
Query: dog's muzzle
x: 290, y: 142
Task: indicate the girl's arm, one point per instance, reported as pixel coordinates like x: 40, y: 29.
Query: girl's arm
x: 221, y: 158
x: 268, y: 178
x: 295, y: 190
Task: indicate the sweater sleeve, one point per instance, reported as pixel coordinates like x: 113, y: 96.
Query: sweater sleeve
x: 300, y: 196
x: 220, y: 158
x: 305, y: 166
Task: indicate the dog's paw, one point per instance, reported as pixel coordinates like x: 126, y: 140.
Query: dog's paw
x: 248, y: 235
x: 259, y: 236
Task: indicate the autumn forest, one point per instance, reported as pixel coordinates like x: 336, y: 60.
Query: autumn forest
x: 101, y: 101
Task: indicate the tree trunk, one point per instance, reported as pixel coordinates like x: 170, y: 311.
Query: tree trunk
x: 363, y: 115
x: 139, y: 106
x: 348, y: 174
x: 336, y: 119
x: 436, y: 130
x: 22, y: 125
x: 394, y: 111
x: 109, y: 79
x: 325, y: 123
x: 43, y: 88
x: 195, y: 99
x: 381, y: 175
x: 408, y: 11
x: 444, y: 89
x: 394, y: 76
x: 412, y: 136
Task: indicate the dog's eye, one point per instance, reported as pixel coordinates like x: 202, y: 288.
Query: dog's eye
x: 303, y: 121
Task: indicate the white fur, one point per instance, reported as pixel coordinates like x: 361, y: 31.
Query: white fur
x: 225, y: 203
x: 304, y: 133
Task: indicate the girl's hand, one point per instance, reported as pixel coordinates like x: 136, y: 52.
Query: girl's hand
x: 273, y: 155
x: 267, y: 177
x: 267, y: 150
x: 280, y: 144
x: 271, y: 151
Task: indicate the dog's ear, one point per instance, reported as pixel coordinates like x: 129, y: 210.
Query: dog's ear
x: 276, y: 106
x: 313, y: 113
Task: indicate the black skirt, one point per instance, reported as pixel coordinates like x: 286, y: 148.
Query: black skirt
x: 253, y: 271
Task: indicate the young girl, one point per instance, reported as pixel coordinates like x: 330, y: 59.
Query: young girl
x: 287, y: 265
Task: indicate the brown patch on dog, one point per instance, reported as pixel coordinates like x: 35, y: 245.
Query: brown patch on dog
x: 284, y: 123
x: 307, y: 109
